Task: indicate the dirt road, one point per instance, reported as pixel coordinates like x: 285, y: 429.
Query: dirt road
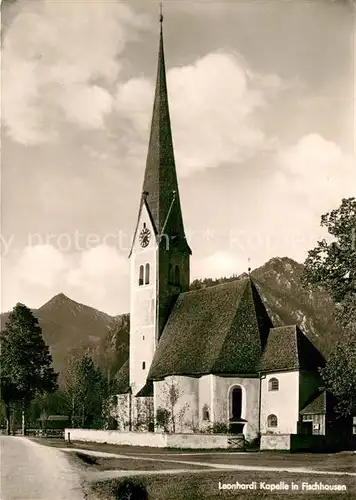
x: 30, y: 471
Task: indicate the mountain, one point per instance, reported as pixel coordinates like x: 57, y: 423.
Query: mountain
x: 289, y: 303
x: 68, y: 325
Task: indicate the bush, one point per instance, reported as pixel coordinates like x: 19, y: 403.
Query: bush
x: 217, y: 428
x: 130, y: 490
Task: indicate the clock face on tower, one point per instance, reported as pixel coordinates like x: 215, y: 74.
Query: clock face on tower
x: 145, y: 236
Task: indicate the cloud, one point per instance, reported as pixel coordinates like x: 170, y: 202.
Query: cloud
x: 54, y: 56
x: 317, y: 171
x: 218, y: 264
x: 70, y: 72
x: 97, y: 276
x: 212, y: 105
x: 97, y: 266
x: 40, y: 265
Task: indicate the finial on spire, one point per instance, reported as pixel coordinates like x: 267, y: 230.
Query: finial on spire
x: 160, y: 13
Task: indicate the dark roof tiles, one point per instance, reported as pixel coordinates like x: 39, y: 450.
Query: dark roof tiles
x: 289, y: 349
x: 220, y: 329
x: 317, y: 405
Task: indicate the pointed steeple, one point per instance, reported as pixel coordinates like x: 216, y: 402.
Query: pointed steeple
x: 160, y: 185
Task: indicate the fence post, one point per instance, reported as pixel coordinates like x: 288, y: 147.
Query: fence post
x: 68, y: 435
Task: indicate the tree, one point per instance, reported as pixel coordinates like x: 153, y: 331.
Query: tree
x: 339, y: 376
x: 26, y: 362
x: 86, y: 391
x: 332, y: 265
x: 170, y: 413
x: 48, y: 404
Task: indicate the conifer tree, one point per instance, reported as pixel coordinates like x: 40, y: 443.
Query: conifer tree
x: 26, y: 362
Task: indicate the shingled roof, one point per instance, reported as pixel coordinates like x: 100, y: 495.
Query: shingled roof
x: 146, y: 391
x: 220, y: 329
x: 317, y: 405
x: 289, y: 349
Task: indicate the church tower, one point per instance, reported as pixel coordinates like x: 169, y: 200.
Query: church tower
x: 159, y: 256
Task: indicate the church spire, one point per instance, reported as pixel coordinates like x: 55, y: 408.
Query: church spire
x: 160, y: 181
x: 160, y: 13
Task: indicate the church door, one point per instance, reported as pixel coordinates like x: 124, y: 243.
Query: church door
x: 236, y: 404
x: 236, y: 421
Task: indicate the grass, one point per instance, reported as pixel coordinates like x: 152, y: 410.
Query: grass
x: 205, y: 486
x: 342, y: 462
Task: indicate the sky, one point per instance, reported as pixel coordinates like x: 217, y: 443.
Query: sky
x: 262, y: 110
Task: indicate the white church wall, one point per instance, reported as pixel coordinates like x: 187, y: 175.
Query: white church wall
x: 142, y: 307
x: 250, y: 402
x: 206, y: 401
x: 283, y: 403
x: 186, y: 398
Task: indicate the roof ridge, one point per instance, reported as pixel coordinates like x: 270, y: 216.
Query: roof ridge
x: 226, y: 284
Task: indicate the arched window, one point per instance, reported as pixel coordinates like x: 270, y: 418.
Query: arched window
x: 273, y: 384
x: 176, y: 276
x: 236, y: 403
x: 272, y: 421
x: 147, y: 274
x: 140, y: 279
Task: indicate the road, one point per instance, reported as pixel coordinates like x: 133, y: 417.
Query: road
x: 30, y: 471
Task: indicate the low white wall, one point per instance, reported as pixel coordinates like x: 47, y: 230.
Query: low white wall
x: 156, y: 440
x: 196, y: 441
x: 116, y: 437
x: 275, y: 442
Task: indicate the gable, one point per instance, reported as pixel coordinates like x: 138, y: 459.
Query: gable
x: 289, y: 349
x: 144, y: 218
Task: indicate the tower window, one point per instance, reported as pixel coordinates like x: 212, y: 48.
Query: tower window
x: 144, y: 225
x: 273, y: 384
x: 147, y: 274
x: 143, y: 365
x: 176, y: 276
x: 140, y: 279
x: 272, y: 421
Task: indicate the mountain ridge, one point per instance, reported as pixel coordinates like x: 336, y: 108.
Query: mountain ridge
x: 69, y: 325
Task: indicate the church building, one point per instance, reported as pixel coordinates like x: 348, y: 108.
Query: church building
x: 210, y: 358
